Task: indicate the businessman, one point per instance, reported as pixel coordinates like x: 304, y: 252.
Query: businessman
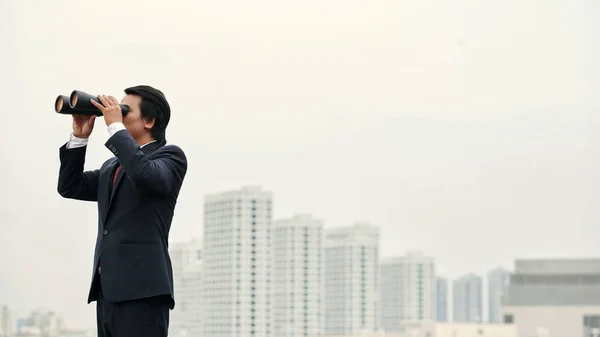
x: 136, y: 192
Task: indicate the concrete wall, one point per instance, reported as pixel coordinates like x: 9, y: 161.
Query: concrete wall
x: 558, y: 321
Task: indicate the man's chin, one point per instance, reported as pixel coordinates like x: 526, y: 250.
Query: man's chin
x: 131, y: 131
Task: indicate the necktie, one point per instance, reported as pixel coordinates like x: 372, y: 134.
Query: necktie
x: 115, y: 177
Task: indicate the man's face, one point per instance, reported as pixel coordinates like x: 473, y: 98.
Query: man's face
x: 134, y: 123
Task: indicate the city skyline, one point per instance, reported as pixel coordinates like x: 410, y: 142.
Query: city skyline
x: 196, y: 243
x: 527, y: 310
x: 291, y: 241
x: 333, y: 282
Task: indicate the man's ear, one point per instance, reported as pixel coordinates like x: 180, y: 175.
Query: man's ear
x: 149, y: 123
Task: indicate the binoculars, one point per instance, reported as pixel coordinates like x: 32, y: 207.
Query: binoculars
x: 78, y: 103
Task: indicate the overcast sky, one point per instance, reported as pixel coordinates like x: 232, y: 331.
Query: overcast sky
x: 463, y: 128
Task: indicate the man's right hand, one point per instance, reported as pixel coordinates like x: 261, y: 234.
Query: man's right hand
x: 83, y: 125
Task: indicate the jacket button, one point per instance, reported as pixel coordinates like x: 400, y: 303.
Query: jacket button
x: 105, y: 232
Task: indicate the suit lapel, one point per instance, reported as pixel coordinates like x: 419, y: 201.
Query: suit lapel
x: 106, y: 190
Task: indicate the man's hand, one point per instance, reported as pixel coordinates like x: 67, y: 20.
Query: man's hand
x: 110, y: 109
x: 83, y: 125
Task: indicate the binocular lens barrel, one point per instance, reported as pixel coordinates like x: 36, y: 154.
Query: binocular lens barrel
x: 62, y: 106
x: 78, y: 103
x: 60, y: 102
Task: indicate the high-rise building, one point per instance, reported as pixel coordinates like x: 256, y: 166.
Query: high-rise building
x: 6, y: 326
x: 467, y: 299
x: 351, y: 280
x: 186, y: 318
x: 441, y: 299
x: 407, y: 290
x: 237, y: 263
x: 498, y: 280
x: 298, y: 277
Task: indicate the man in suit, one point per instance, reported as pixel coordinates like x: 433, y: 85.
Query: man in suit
x: 136, y: 192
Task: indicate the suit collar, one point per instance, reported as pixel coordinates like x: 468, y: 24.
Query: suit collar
x: 150, y: 142
x: 151, y: 146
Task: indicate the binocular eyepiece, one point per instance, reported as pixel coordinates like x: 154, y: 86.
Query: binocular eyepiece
x: 78, y: 103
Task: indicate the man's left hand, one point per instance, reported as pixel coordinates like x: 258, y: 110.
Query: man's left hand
x: 110, y: 109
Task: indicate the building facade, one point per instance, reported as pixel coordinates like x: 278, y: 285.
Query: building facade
x: 498, y: 280
x: 6, y: 322
x: 351, y: 280
x: 467, y: 296
x: 298, y: 277
x: 441, y: 299
x: 186, y: 317
x: 558, y: 297
x: 237, y: 263
x: 407, y: 290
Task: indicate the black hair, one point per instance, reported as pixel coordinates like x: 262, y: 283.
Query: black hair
x: 153, y: 106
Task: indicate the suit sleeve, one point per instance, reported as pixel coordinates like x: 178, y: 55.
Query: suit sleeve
x: 162, y: 175
x: 73, y: 181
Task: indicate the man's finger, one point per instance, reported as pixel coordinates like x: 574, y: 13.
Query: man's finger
x: 98, y: 105
x: 114, y: 100
x: 103, y: 100
x: 107, y: 101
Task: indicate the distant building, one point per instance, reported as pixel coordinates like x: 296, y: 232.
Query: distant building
x: 298, y: 276
x: 467, y: 293
x: 560, y: 297
x: 21, y: 323
x: 42, y: 323
x: 407, y: 290
x: 237, y: 260
x: 351, y: 280
x: 6, y: 326
x: 498, y: 280
x: 441, y: 299
x: 186, y: 317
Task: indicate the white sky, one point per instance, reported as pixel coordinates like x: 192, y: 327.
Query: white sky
x: 463, y: 128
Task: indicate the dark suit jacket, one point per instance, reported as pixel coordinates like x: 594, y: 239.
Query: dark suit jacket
x: 134, y: 218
